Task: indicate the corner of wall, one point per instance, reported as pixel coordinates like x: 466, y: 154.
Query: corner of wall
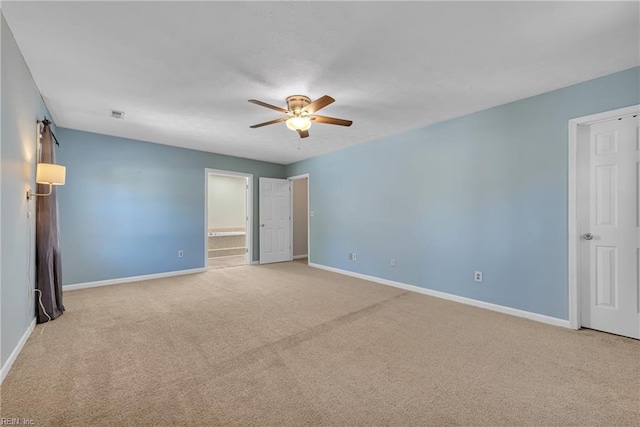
x: 2, y: 24
x: 22, y: 106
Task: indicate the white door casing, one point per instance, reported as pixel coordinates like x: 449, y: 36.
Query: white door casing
x: 275, y: 220
x: 610, y: 230
x: 249, y: 211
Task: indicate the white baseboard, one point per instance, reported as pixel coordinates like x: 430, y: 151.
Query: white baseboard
x: 16, y: 351
x: 131, y: 279
x: 300, y: 256
x: 469, y: 301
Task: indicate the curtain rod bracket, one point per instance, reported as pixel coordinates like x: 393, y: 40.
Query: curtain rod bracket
x: 47, y: 122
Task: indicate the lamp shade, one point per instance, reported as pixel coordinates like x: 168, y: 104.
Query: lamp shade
x: 48, y: 173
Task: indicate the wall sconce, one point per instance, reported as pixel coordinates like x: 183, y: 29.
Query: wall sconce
x: 48, y: 173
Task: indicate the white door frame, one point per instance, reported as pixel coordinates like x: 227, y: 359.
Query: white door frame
x: 294, y: 178
x: 249, y: 204
x: 573, y: 211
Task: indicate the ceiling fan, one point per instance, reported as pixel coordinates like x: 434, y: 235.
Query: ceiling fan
x: 301, y: 113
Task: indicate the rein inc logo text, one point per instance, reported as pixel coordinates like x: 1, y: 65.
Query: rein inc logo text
x: 16, y: 422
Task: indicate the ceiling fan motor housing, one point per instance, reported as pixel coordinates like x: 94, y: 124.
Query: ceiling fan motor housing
x: 295, y: 103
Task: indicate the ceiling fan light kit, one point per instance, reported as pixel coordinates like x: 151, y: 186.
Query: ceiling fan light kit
x: 301, y: 112
x: 298, y: 123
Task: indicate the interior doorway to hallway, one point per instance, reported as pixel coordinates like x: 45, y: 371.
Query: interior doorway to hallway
x: 228, y: 219
x: 300, y: 218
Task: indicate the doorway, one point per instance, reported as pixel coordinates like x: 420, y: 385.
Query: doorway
x: 300, y: 218
x: 228, y: 219
x: 604, y: 222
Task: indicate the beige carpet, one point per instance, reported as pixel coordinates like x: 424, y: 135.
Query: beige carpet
x: 227, y: 261
x: 287, y: 344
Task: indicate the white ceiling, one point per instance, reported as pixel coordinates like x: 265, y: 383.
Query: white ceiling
x: 183, y: 72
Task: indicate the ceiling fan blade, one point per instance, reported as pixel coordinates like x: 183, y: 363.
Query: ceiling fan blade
x: 264, y: 104
x: 331, y: 120
x: 259, y: 125
x: 303, y: 133
x: 318, y: 104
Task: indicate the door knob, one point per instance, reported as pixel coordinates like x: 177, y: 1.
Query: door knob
x: 261, y: 225
x: 587, y: 236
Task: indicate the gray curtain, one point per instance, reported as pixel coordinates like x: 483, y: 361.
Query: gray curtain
x: 48, y: 261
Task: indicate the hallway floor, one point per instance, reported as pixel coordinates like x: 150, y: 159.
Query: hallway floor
x: 227, y: 261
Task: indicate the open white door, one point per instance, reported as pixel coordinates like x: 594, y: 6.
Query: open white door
x: 610, y: 293
x: 275, y: 220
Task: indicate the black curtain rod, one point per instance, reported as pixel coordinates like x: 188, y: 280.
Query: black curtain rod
x: 47, y: 122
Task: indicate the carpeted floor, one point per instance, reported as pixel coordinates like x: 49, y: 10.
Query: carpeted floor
x: 227, y: 261
x: 286, y: 344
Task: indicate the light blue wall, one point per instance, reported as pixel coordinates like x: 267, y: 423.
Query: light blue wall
x: 22, y: 106
x: 487, y: 192
x: 129, y: 206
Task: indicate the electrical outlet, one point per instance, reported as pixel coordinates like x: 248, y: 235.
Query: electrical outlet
x: 353, y: 256
x: 393, y: 262
x: 477, y: 276
x: 180, y: 254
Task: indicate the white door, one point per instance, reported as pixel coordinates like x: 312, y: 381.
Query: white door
x: 611, y: 295
x: 275, y: 220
